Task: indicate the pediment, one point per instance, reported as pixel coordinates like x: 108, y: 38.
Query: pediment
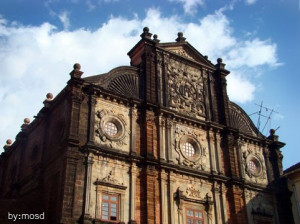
x: 123, y: 80
x: 187, y: 51
x: 240, y: 120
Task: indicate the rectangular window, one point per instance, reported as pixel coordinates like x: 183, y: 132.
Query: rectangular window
x: 110, y: 207
x: 194, y: 216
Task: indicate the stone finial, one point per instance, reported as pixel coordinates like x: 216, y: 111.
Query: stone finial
x: 47, y: 101
x: 25, y: 124
x: 155, y: 38
x: 76, y: 73
x: 220, y: 65
x: 8, y: 144
x: 272, y: 132
x: 180, y: 37
x: 146, y: 34
x: 8, y: 141
x: 26, y: 121
x: 272, y: 135
x: 49, y: 96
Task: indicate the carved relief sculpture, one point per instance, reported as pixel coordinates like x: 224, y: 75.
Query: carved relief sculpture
x: 189, y: 150
x: 111, y: 128
x: 186, y: 89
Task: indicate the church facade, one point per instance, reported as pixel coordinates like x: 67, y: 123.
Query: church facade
x: 158, y: 141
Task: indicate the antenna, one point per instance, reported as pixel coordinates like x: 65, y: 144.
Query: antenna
x: 267, y: 116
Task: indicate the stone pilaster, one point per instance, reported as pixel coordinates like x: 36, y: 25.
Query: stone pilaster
x: 219, y: 160
x: 132, y: 193
x: 134, y: 117
x: 239, y: 145
x: 224, y: 208
x: 162, y: 139
x: 89, y: 166
x: 164, y: 197
x: 170, y: 140
x: 212, y: 151
x: 217, y: 197
x: 92, y: 105
x: 172, y: 190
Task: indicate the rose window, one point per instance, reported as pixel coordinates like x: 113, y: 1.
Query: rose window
x: 252, y: 166
x: 188, y: 149
x: 110, y: 128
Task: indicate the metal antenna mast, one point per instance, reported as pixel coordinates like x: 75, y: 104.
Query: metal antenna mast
x: 259, y: 113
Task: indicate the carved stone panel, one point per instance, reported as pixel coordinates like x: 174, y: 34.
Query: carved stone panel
x: 191, y: 147
x: 254, y: 164
x: 186, y: 91
x: 112, y: 126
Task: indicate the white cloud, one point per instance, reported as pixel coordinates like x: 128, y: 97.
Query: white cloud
x: 190, y: 6
x: 90, y: 5
x: 239, y: 88
x: 253, y: 53
x: 64, y: 19
x: 250, y: 2
x: 35, y: 60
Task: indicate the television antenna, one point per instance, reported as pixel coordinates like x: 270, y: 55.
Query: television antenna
x: 268, y: 113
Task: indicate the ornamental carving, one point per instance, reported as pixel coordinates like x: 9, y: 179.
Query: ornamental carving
x: 192, y: 192
x: 189, y: 150
x: 111, y: 179
x: 253, y: 163
x: 111, y: 128
x: 186, y: 91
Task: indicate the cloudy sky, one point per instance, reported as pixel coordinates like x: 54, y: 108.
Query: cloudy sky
x: 257, y: 39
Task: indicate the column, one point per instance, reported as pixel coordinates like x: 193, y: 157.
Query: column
x: 134, y: 117
x: 170, y: 139
x: 172, y: 208
x: 132, y: 192
x: 164, y: 197
x: 218, y: 150
x: 223, y: 203
x: 162, y: 143
x: 212, y: 150
x: 89, y: 165
x: 218, y: 211
x: 240, y: 158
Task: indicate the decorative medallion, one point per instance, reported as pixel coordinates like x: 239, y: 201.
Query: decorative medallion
x: 189, y: 150
x: 186, y: 91
x: 192, y: 192
x: 253, y: 163
x: 111, y: 128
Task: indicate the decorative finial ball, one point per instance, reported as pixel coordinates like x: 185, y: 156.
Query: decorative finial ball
x: 26, y: 120
x: 155, y: 36
x: 8, y: 141
x: 49, y: 96
x: 180, y: 34
x: 77, y: 66
x: 146, y: 29
x: 272, y: 131
x: 219, y: 60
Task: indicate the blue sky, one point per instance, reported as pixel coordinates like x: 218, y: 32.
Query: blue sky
x: 257, y: 39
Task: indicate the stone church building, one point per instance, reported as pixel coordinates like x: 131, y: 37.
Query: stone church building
x: 155, y: 142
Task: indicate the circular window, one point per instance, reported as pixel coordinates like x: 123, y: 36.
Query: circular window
x: 254, y: 166
x: 188, y: 149
x: 110, y: 128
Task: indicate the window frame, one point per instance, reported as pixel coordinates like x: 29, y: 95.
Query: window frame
x: 109, y: 201
x: 194, y: 218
